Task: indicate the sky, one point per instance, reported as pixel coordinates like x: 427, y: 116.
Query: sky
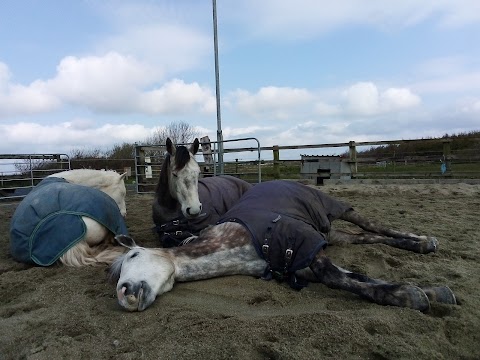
x: 89, y: 74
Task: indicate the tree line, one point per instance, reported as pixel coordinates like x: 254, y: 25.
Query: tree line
x: 120, y: 155
x: 468, y: 143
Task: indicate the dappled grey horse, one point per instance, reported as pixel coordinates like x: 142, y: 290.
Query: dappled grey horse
x: 278, y: 229
x: 185, y: 204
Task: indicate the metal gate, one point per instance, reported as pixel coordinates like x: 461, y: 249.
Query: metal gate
x: 149, y: 160
x: 19, y: 173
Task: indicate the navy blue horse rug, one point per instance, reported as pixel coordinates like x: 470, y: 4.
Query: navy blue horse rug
x: 48, y: 221
x: 288, y: 223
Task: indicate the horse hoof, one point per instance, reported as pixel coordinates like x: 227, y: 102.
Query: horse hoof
x: 430, y: 245
x: 412, y: 297
x: 441, y: 294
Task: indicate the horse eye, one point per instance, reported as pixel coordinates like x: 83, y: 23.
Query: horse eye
x: 133, y: 255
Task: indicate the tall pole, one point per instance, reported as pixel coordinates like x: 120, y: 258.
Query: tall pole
x: 217, y: 90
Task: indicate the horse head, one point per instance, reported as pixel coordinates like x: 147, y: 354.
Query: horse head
x: 141, y: 274
x: 183, y: 172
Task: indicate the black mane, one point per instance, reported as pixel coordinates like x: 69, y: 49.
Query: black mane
x: 182, y: 157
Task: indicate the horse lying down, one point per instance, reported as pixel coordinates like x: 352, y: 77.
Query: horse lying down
x: 278, y: 229
x: 70, y: 217
x: 185, y: 204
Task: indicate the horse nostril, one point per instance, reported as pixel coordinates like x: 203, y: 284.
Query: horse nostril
x: 189, y: 211
x: 126, y: 289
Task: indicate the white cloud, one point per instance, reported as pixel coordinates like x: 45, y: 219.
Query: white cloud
x: 277, y: 102
x: 453, y: 83
x: 249, y: 131
x: 102, y: 83
x: 63, y: 137
x: 112, y: 83
x: 285, y: 19
x: 323, y: 109
x: 362, y: 98
x: 169, y: 48
x: 177, y: 97
x: 20, y: 99
x: 398, y: 98
x: 365, y: 99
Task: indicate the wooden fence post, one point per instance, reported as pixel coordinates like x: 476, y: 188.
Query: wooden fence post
x: 276, y: 162
x: 207, y: 153
x: 352, y: 153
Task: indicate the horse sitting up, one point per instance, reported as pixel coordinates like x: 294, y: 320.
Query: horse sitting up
x: 185, y: 204
x: 278, y: 229
x: 70, y: 217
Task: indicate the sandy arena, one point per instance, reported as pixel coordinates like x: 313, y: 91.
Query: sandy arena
x: 60, y: 313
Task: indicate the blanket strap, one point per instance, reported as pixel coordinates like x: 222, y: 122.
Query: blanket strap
x: 174, y: 232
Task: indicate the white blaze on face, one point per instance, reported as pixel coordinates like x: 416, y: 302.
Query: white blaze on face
x: 184, y: 184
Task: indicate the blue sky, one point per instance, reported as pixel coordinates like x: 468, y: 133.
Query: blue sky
x: 90, y: 74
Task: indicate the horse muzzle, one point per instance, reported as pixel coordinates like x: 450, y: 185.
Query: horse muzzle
x: 134, y: 296
x: 193, y: 211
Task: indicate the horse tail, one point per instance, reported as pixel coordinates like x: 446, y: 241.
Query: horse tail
x: 84, y: 255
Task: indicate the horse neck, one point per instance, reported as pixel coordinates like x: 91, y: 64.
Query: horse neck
x: 220, y: 250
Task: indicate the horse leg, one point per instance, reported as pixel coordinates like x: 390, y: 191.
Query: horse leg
x: 373, y: 227
x: 377, y: 291
x: 423, y: 245
x: 441, y: 294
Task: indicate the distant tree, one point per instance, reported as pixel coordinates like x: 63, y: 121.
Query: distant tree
x: 86, y: 153
x: 121, y: 151
x: 178, y: 132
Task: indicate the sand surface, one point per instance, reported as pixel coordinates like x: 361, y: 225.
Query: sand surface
x: 60, y: 313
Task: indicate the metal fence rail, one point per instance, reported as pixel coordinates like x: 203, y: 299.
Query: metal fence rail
x: 19, y: 173
x: 149, y: 160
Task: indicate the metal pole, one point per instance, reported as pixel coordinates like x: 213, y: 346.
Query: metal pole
x: 217, y: 90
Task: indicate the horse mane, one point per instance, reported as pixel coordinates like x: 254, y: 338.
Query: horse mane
x: 115, y: 268
x: 162, y: 191
x: 182, y: 157
x: 83, y: 255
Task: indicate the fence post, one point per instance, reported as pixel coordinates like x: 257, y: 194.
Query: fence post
x: 276, y: 162
x: 446, y: 154
x: 207, y: 153
x: 352, y: 153
x: 139, y: 166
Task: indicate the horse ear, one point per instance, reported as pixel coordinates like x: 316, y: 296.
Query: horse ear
x: 170, y: 147
x: 125, y: 241
x: 194, y: 147
x: 123, y: 176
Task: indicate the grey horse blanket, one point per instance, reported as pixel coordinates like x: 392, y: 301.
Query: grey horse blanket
x: 288, y: 222
x: 48, y: 221
x: 217, y: 195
